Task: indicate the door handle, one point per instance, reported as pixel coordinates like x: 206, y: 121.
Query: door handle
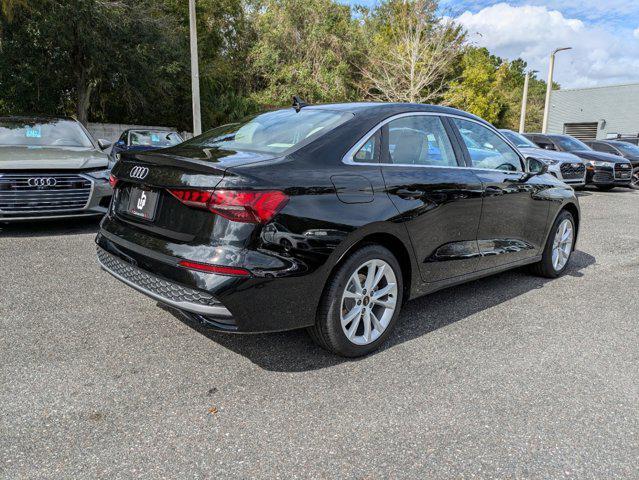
x: 408, y: 194
x: 492, y: 191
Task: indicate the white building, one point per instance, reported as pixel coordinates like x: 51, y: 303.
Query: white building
x: 595, y: 113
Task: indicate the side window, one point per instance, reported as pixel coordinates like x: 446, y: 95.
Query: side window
x: 486, y: 148
x: 420, y: 140
x: 369, y: 153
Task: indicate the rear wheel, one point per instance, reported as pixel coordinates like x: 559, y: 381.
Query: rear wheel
x: 360, y: 304
x: 558, y: 249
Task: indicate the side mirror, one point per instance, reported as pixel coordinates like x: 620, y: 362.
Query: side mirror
x: 535, y: 166
x: 104, y: 144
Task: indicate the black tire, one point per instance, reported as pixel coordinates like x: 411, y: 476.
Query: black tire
x: 544, y: 268
x: 605, y: 188
x: 635, y: 179
x: 327, y: 331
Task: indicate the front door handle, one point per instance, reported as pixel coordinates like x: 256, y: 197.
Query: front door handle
x: 408, y: 194
x: 492, y: 191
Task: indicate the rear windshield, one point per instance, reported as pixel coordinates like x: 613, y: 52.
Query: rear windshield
x: 51, y: 133
x: 627, y: 148
x: 272, y: 132
x: 154, y: 138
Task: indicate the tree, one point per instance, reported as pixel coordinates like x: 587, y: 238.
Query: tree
x: 306, y: 48
x: 412, y: 51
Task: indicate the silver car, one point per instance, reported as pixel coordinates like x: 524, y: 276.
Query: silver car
x: 51, y: 168
x: 566, y: 167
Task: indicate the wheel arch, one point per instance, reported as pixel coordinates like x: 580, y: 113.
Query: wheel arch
x: 395, y: 245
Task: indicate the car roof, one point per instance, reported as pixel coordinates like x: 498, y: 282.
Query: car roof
x: 169, y: 130
x: 392, y: 108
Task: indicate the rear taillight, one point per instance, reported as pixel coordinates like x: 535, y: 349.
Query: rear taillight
x: 237, y: 205
x: 219, y: 269
x: 113, y: 180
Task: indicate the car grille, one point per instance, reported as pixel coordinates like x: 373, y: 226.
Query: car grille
x: 27, y: 193
x: 570, y: 172
x: 603, y: 177
x: 161, y: 288
x: 623, y: 171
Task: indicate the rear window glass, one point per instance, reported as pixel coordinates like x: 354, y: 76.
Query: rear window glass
x: 272, y: 132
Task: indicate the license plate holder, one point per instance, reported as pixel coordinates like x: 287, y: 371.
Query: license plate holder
x: 142, y: 203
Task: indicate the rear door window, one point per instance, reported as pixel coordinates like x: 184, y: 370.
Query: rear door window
x: 419, y: 140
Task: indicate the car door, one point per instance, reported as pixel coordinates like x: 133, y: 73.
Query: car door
x: 439, y: 202
x: 514, y: 214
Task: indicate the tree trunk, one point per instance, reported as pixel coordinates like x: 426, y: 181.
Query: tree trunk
x: 84, y: 89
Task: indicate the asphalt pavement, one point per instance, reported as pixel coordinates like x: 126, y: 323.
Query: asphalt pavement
x: 510, y: 376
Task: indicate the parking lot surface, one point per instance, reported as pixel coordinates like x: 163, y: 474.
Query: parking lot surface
x: 511, y: 376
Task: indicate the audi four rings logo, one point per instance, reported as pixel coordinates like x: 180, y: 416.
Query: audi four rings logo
x: 42, y: 182
x: 139, y: 172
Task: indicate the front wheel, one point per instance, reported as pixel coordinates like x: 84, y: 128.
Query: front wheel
x: 558, y: 249
x: 634, y: 183
x: 360, y: 304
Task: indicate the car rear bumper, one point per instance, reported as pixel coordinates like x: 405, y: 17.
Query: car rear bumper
x: 262, y: 302
x: 164, y: 291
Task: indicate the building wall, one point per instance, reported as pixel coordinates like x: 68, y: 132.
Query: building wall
x: 614, y: 108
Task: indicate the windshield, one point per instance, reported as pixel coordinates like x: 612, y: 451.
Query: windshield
x: 48, y: 133
x: 154, y: 138
x: 628, y: 148
x: 272, y: 132
x: 517, y: 139
x: 571, y: 144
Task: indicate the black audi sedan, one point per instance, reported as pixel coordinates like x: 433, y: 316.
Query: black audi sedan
x: 603, y: 170
x: 330, y: 217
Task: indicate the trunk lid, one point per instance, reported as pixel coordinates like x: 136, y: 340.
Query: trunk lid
x: 145, y: 178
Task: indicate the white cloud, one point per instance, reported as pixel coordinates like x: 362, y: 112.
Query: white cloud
x: 601, y: 55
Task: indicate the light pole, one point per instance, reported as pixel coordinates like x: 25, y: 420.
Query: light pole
x: 551, y: 67
x: 195, y: 71
x: 524, y: 104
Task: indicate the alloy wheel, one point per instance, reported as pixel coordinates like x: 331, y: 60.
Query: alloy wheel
x: 635, y: 178
x: 368, y: 302
x: 562, y: 245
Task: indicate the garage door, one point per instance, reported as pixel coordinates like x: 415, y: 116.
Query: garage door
x: 582, y: 131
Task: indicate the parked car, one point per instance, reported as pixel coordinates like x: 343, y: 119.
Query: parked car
x: 634, y: 139
x: 603, y: 170
x: 195, y: 226
x: 51, y: 168
x: 624, y: 149
x: 137, y: 140
x: 565, y: 166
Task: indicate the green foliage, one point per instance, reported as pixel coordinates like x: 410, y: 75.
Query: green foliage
x: 492, y: 88
x: 306, y: 48
x: 128, y: 61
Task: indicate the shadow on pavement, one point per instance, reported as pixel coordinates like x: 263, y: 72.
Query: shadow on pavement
x: 295, y: 352
x: 50, y: 228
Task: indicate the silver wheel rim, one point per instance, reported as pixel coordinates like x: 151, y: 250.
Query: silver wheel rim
x: 562, y: 245
x: 635, y: 177
x: 368, y: 302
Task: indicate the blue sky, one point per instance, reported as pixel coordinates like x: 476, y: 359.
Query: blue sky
x: 604, y: 35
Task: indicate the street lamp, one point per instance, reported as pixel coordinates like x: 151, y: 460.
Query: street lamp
x: 195, y: 71
x: 551, y: 67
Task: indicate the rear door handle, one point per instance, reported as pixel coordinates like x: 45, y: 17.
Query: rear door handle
x: 407, y: 194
